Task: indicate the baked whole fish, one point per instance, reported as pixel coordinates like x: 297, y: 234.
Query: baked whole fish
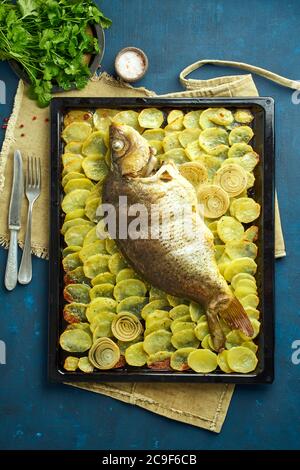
x: 183, y: 262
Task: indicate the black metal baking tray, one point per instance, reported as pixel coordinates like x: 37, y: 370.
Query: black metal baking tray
x: 263, y: 143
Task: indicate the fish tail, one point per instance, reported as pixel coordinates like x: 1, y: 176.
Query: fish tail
x: 236, y: 317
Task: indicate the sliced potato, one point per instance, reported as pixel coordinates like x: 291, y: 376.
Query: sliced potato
x: 222, y: 117
x: 241, y: 360
x: 77, y: 293
x: 75, y: 341
x: 154, y: 134
x: 133, y: 304
x: 179, y: 311
x: 80, y: 183
x: 129, y: 288
x: 155, y: 294
x: 95, y: 168
x: 91, y: 209
x: 194, y: 151
x: 171, y: 141
x: 102, y: 290
x: 103, y: 118
x: 205, y: 118
x: 176, y: 125
x: 241, y: 276
x: 91, y: 237
x: 126, y: 273
x: 252, y: 312
x: 71, y: 363
x: 73, y: 223
x: 177, y: 156
x: 250, y: 300
x: 151, y: 118
x: 76, y: 234
x: 73, y: 147
x: 74, y: 200
x: 240, y: 249
x: 233, y: 339
x: 111, y: 246
x: 104, y: 278
x: 71, y: 261
x: 239, y: 150
x: 135, y: 355
x: 77, y: 132
x: 240, y: 265
x: 161, y: 304
x: 229, y: 229
x: 158, y: 341
x: 76, y: 276
x: 71, y: 175
x: 213, y: 140
x: 85, y: 365
x: 188, y: 136
x: 75, y: 312
x: 130, y: 118
x: 240, y: 134
x: 95, y: 145
x: 179, y: 359
x: 251, y: 345
x: 245, y: 209
x: 196, y: 311
x: 95, y: 265
x: 214, y: 201
x: 98, y: 305
x: 244, y: 116
x: 72, y: 163
x: 203, y: 361
x: 174, y: 114
x: 201, y: 330
x: 182, y: 325
x: 157, y: 146
x: 70, y: 249
x: 159, y: 360
x: 191, y: 119
x: 78, y: 115
x: 174, y: 301
x: 185, y: 339
x: 116, y: 263
x: 223, y: 362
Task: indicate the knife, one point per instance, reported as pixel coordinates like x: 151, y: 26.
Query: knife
x: 14, y: 222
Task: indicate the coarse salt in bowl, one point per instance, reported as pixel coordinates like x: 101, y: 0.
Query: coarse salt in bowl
x: 131, y: 64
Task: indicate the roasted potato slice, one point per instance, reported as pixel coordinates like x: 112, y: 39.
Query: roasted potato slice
x: 229, y: 229
x: 77, y: 293
x: 75, y: 312
x: 78, y: 115
x: 104, y: 278
x: 202, y: 361
x: 240, y: 265
x: 95, y: 265
x: 240, y: 134
x: 103, y: 118
x: 191, y: 119
x: 95, y: 168
x: 95, y: 145
x: 185, y: 339
x: 174, y: 114
x: 129, y: 288
x: 77, y: 132
x: 75, y: 341
x: 243, y: 116
x: 151, y: 118
x: 175, y: 155
x: 76, y: 234
x: 75, y: 200
x: 179, y: 359
x: 135, y: 355
x: 133, y: 304
x: 98, y: 305
x: 130, y: 118
x: 158, y: 341
x: 241, y: 360
x: 213, y: 140
x: 154, y: 134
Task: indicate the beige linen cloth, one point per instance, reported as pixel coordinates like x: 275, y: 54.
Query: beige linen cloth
x: 203, y: 405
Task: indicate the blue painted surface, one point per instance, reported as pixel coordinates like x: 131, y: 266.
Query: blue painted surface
x: 174, y: 33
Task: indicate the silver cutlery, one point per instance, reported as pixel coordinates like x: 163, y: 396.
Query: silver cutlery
x: 14, y: 223
x: 33, y: 191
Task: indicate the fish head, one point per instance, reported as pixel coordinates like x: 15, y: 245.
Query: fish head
x: 131, y: 154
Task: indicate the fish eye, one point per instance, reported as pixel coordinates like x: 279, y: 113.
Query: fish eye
x: 118, y: 145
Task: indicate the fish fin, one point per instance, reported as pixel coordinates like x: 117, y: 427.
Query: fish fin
x: 236, y: 317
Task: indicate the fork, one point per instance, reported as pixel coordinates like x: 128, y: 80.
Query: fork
x: 32, y: 191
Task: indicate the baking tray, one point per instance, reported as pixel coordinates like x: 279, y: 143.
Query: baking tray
x: 263, y: 144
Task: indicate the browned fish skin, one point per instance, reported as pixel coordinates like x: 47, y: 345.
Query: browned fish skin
x: 183, y: 266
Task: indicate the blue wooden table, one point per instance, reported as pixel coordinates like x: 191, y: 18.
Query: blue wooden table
x: 174, y: 33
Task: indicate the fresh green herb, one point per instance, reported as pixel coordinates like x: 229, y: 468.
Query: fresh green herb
x: 50, y: 38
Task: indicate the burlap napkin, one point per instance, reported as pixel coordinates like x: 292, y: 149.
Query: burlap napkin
x: 203, y: 405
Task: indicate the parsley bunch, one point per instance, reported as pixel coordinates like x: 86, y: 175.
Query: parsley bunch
x: 49, y: 39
